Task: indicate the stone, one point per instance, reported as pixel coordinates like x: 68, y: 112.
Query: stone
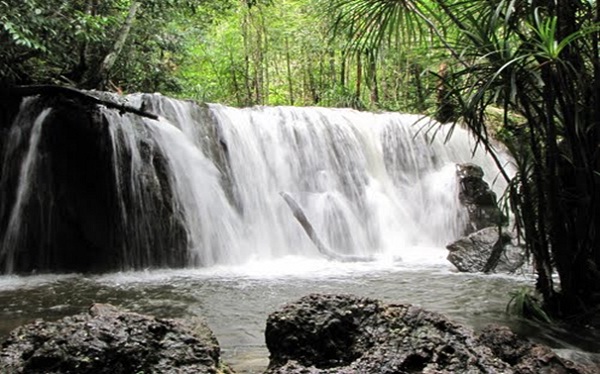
x: 477, y: 197
x: 109, y: 340
x: 524, y: 356
x: 92, y: 210
x: 345, y: 334
x: 471, y: 253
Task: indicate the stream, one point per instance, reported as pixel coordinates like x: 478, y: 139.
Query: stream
x: 236, y: 300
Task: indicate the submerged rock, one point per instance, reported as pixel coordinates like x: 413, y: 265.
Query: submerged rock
x: 108, y: 340
x: 471, y: 253
x: 327, y: 334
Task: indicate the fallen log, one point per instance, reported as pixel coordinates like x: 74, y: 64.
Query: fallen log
x: 24, y: 91
x: 312, y: 234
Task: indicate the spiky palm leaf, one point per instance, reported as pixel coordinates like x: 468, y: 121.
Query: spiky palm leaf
x: 538, y: 60
x: 369, y: 24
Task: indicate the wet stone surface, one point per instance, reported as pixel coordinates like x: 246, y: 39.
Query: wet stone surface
x: 109, y: 340
x: 351, y: 335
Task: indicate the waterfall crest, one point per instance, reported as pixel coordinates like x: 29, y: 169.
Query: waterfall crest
x: 202, y: 186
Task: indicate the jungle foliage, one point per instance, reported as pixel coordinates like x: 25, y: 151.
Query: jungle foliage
x: 236, y: 52
x: 113, y: 44
x: 540, y: 60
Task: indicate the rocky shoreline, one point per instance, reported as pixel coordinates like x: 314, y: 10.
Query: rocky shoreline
x: 319, y: 333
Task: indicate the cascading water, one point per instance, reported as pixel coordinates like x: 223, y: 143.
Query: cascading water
x: 369, y: 183
x: 22, y: 150
x: 209, y: 179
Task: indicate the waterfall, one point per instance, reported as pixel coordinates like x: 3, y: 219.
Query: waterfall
x: 202, y: 185
x: 17, y: 139
x: 369, y: 183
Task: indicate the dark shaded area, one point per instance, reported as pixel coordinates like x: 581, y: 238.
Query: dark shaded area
x: 77, y: 171
x: 78, y: 215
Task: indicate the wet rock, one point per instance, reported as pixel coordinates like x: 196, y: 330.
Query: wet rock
x: 343, y: 334
x: 524, y: 356
x: 480, y: 250
x: 91, y: 210
x: 471, y: 253
x: 108, y: 340
x: 347, y: 334
x: 480, y: 201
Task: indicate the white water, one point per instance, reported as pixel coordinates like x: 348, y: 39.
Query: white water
x: 17, y: 226
x: 371, y: 184
x: 376, y: 185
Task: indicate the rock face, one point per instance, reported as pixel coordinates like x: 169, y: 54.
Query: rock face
x: 476, y: 195
x: 480, y: 250
x: 472, y: 252
x: 107, y: 340
x: 327, y: 334
x: 90, y: 210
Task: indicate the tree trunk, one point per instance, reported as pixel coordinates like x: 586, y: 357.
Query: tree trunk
x: 343, y: 70
x: 234, y: 81
x: 99, y: 78
x: 289, y: 70
x: 264, y: 46
x: 314, y: 237
x: 358, y: 76
x: 416, y: 71
x: 372, y: 77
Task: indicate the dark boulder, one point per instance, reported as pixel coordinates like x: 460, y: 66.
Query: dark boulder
x: 477, y: 197
x: 472, y: 253
x: 482, y: 249
x: 322, y: 334
x: 524, y: 356
x: 84, y: 207
x: 108, y: 340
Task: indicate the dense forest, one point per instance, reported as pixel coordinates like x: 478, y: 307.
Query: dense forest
x: 530, y: 68
x: 233, y: 52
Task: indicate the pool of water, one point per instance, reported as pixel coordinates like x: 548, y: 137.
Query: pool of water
x: 235, y: 301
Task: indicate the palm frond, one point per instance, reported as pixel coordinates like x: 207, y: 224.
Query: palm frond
x: 372, y: 24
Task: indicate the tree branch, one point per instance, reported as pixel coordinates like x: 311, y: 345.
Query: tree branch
x: 24, y: 91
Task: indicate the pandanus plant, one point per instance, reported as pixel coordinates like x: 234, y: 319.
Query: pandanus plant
x: 538, y: 60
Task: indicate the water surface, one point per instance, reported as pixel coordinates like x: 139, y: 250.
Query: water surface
x: 235, y: 301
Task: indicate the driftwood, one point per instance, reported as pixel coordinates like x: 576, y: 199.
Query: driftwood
x: 312, y: 234
x: 23, y: 91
